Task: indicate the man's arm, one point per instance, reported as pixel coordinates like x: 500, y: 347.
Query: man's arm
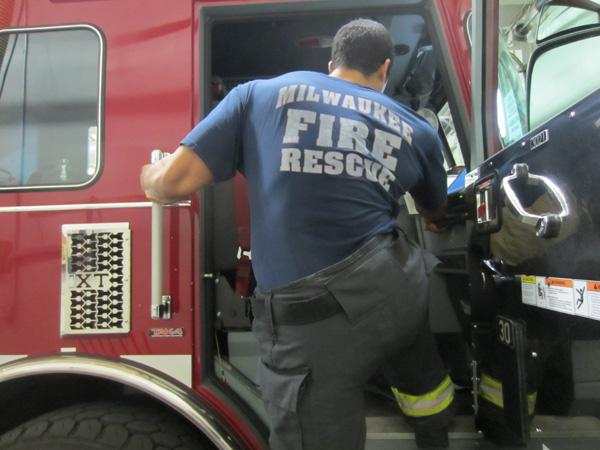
x: 431, y: 216
x: 175, y: 177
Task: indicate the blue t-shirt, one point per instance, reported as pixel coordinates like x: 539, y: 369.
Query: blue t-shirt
x: 325, y: 161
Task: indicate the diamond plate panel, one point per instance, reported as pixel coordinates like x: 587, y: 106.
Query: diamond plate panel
x: 95, y: 291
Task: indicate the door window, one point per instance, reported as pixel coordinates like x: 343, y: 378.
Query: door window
x: 563, y: 74
x: 511, y: 102
x: 50, y: 107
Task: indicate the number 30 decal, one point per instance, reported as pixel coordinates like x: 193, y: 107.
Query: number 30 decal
x: 505, y: 331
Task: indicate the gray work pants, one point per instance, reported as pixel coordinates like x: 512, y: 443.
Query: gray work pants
x: 314, y: 366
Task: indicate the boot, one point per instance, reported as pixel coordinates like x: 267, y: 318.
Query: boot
x: 431, y: 438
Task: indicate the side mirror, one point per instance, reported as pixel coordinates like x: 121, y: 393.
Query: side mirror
x: 558, y: 17
x: 568, y: 67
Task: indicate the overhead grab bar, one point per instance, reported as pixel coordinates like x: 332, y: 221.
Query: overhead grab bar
x: 548, y: 225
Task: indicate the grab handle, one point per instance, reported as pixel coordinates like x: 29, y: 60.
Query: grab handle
x: 160, y: 304
x: 548, y: 225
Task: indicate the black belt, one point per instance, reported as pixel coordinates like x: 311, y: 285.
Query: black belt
x: 289, y: 306
x: 297, y: 312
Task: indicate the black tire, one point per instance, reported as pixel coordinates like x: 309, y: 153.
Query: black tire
x: 106, y: 426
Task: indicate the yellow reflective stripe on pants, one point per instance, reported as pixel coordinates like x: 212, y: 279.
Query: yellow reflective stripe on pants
x: 426, y: 405
x: 490, y: 389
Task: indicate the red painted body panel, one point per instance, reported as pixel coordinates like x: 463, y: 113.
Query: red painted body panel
x: 452, y: 17
x: 148, y: 105
x: 150, y: 102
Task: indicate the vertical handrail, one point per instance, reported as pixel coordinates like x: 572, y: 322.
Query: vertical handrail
x: 160, y: 304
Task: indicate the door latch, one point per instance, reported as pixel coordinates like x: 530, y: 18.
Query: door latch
x: 548, y: 225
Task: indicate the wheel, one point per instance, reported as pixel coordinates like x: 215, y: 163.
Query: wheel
x: 106, y: 426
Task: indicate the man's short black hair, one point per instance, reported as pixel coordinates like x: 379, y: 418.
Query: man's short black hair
x: 362, y: 45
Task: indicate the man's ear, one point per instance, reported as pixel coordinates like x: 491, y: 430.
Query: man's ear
x: 329, y: 66
x: 383, y: 70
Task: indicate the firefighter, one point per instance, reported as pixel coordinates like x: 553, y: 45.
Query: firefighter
x: 341, y: 292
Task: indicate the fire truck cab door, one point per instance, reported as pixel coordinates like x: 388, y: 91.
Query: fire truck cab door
x: 536, y: 211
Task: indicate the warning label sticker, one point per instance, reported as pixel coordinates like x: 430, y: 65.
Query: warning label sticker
x: 560, y: 295
x: 575, y: 297
x: 529, y: 290
x: 582, y: 305
x: 592, y: 297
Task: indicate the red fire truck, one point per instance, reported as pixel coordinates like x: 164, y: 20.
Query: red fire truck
x: 124, y: 325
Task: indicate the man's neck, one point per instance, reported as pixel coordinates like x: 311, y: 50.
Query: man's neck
x: 355, y: 76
